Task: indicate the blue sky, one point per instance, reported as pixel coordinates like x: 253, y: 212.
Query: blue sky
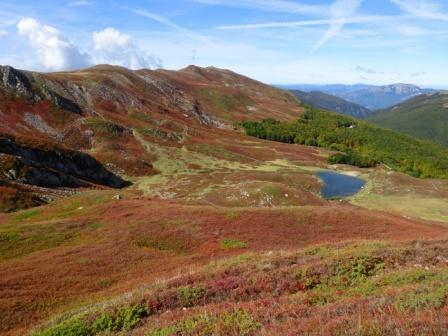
x: 276, y: 41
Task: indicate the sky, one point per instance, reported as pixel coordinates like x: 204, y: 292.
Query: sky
x: 275, y: 41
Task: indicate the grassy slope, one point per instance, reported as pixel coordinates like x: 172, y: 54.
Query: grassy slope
x: 232, y: 226
x: 111, y: 247
x: 232, y: 97
x: 361, y: 288
x: 424, y: 117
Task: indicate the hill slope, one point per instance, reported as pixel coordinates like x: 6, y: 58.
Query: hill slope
x: 219, y: 233
x: 111, y: 113
x: 425, y: 117
x: 332, y: 103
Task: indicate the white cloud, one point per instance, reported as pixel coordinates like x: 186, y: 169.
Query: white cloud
x: 273, y: 6
x: 422, y: 8
x: 120, y: 49
x: 110, y: 40
x: 175, y: 26
x: 415, y: 31
x: 341, y: 11
x: 292, y: 24
x: 3, y: 33
x: 54, y: 51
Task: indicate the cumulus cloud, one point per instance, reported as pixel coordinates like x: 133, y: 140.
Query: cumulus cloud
x: 111, y: 40
x: 54, y: 51
x: 120, y: 49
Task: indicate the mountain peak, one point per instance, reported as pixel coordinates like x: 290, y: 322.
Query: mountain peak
x: 206, y: 70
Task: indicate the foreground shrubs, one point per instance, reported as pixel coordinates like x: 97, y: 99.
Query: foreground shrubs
x: 73, y: 327
x: 123, y: 320
x: 230, y: 244
x: 422, y: 298
x: 236, y: 323
x: 190, y: 295
x: 384, y: 288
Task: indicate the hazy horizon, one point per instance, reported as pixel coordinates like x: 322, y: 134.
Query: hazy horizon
x: 437, y: 87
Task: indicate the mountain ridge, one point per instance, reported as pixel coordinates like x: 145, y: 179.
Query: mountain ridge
x: 333, y: 103
x: 372, y: 97
x: 103, y: 110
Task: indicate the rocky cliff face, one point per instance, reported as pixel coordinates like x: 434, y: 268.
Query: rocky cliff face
x: 53, y: 168
x: 27, y: 84
x: 16, y: 81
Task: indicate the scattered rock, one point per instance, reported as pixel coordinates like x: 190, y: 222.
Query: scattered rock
x: 38, y: 123
x: 442, y: 259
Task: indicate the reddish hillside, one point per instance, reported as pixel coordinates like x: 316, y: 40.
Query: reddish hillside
x: 113, y: 113
x: 219, y: 231
x: 90, y: 247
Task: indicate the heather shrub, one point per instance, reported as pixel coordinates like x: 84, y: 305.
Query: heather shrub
x: 235, y: 323
x: 72, y: 327
x: 124, y: 320
x: 190, y: 295
x: 229, y: 244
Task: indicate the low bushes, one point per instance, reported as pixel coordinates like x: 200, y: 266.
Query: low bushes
x: 122, y: 320
x: 235, y: 323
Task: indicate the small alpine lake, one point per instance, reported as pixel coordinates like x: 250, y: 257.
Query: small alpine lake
x: 336, y: 185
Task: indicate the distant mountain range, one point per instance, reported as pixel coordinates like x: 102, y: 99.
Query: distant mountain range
x: 424, y: 116
x: 369, y: 96
x: 332, y: 103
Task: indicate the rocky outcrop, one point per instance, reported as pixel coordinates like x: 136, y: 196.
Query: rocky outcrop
x: 25, y: 84
x: 60, y: 101
x: 53, y: 167
x: 15, y: 80
x: 174, y: 96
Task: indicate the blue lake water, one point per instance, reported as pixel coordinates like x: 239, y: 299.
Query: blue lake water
x: 338, y: 185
